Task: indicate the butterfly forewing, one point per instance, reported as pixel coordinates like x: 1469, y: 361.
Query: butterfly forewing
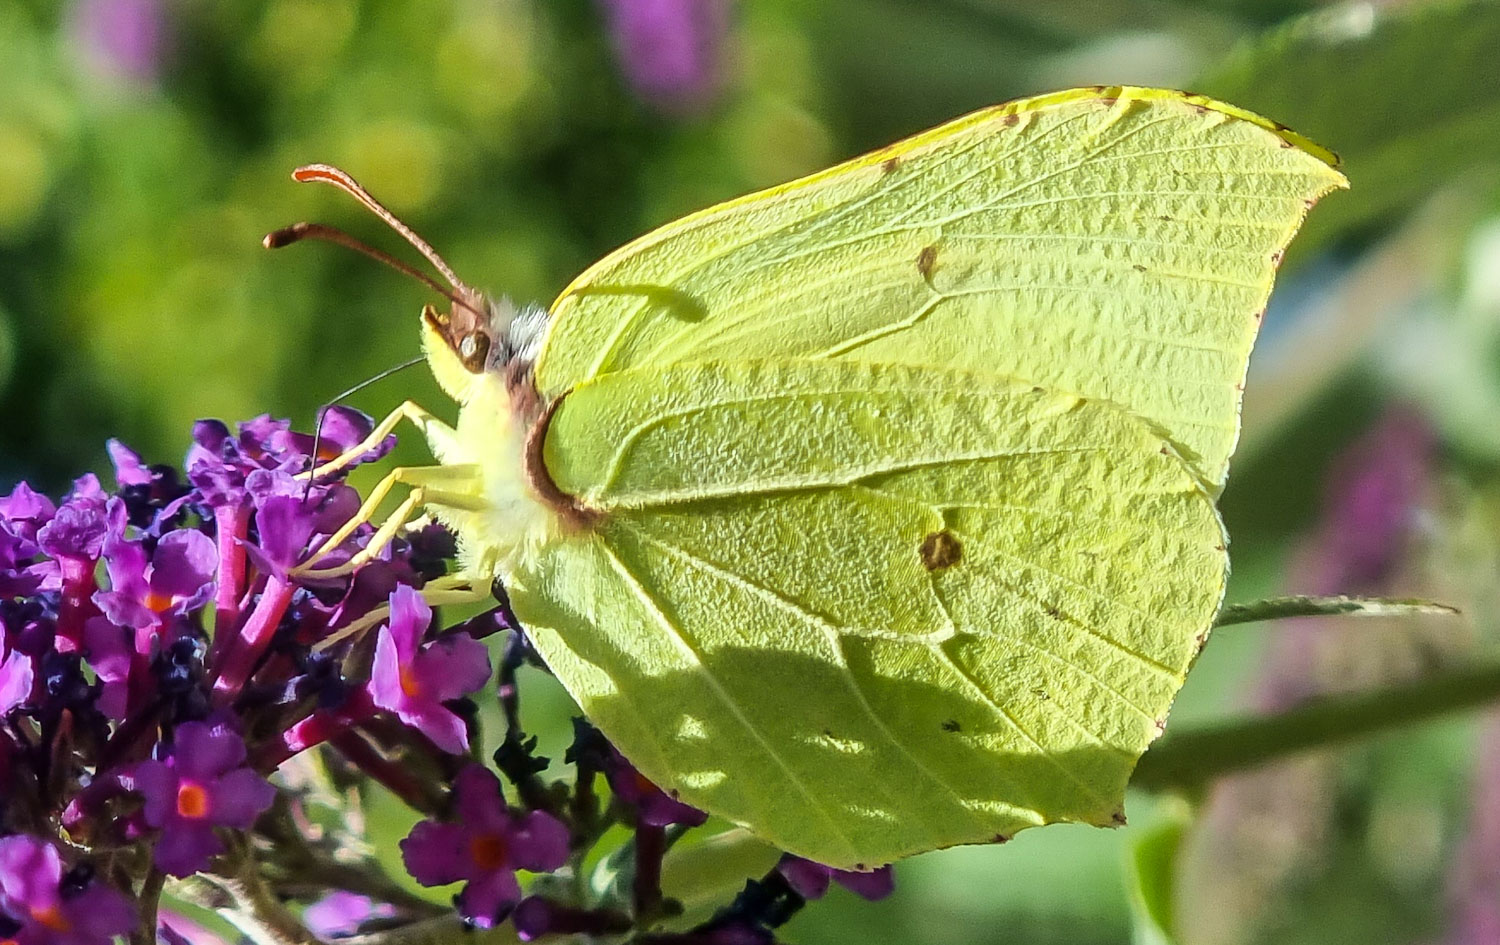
x: 1116, y: 243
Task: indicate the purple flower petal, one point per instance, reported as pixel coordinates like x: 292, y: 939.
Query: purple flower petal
x: 98, y: 914
x: 16, y: 679
x: 442, y: 727
x: 479, y: 800
x: 156, y: 782
x: 539, y: 842
x: 26, y: 510
x: 807, y: 879
x: 111, y: 655
x: 129, y: 470
x: 183, y: 567
x: 487, y: 900
x: 187, y: 848
x: 452, y: 667
x: 437, y: 854
x: 871, y: 885
x: 239, y: 797
x: 410, y: 618
x: 30, y: 870
x: 204, y: 751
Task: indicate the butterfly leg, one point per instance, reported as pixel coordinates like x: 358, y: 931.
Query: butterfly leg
x: 438, y: 434
x: 453, y: 486
x: 450, y: 589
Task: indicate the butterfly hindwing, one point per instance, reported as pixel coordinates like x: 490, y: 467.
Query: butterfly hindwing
x: 869, y: 610
x: 1119, y: 243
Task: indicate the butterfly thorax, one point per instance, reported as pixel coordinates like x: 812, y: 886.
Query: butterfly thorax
x: 482, y: 353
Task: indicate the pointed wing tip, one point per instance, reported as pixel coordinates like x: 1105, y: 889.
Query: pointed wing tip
x: 1112, y: 93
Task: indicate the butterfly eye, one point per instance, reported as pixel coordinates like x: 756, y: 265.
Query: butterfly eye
x: 474, y: 350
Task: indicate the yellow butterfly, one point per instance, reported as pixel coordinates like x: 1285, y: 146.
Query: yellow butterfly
x: 875, y: 511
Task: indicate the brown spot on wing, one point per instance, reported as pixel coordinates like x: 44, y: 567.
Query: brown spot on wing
x: 890, y: 164
x: 926, y: 261
x: 940, y: 550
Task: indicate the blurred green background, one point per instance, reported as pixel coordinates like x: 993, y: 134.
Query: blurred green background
x: 145, y: 147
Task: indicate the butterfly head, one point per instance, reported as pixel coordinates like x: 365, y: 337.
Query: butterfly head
x: 477, y: 340
x: 480, y: 341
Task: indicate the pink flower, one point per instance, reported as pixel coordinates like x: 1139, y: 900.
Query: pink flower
x: 413, y: 680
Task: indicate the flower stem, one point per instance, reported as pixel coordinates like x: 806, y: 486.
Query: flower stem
x: 232, y: 523
x: 645, y: 885
x: 149, y: 899
x: 241, y: 895
x: 1276, y: 608
x: 241, y: 654
x: 1185, y: 762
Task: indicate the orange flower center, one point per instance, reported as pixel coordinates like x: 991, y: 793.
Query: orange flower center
x: 410, y: 684
x: 52, y: 919
x: 488, y: 851
x: 158, y: 602
x: 192, y: 801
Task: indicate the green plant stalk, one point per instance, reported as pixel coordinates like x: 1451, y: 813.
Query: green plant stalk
x: 1184, y: 762
x: 1277, y: 608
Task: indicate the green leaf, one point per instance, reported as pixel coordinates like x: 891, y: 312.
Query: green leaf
x: 1276, y: 608
x: 1151, y: 871
x: 1408, y: 95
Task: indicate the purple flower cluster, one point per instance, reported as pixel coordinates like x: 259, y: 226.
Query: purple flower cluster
x: 170, y: 645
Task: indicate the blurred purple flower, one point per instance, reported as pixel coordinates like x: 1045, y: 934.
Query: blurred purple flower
x: 1474, y: 878
x: 121, y: 37
x: 671, y: 51
x: 653, y: 806
x: 175, y: 929
x: 203, y: 784
x: 414, y: 680
x: 1375, y: 491
x: 341, y: 913
x: 484, y: 848
x: 31, y: 896
x: 810, y: 880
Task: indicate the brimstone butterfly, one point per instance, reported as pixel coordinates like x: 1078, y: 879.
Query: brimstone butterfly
x: 875, y: 512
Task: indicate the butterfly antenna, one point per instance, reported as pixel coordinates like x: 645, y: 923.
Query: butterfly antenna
x: 323, y: 411
x: 329, y: 174
x: 297, y: 232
